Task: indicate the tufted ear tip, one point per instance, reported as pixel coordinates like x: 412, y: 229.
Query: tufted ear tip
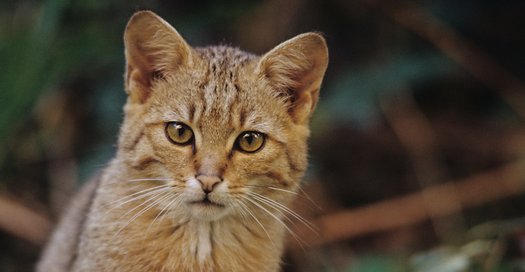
x: 141, y: 15
x: 296, y: 69
x: 313, y: 42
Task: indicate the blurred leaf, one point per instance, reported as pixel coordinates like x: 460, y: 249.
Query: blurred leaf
x: 25, y: 70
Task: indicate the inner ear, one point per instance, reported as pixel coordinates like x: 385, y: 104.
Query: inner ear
x: 295, y: 70
x: 154, y: 50
x: 158, y: 75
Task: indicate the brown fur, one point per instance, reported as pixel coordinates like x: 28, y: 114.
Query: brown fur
x: 219, y: 92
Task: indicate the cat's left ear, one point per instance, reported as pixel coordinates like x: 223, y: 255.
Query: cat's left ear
x: 295, y: 69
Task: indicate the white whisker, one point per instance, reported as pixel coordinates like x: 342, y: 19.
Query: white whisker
x: 247, y: 209
x: 167, y: 206
x: 297, y: 238
x: 150, y: 179
x: 145, y: 193
x: 302, y: 194
x: 274, y: 207
x: 310, y: 199
x: 271, y: 202
x: 282, y: 190
x: 138, y: 193
x: 161, y: 197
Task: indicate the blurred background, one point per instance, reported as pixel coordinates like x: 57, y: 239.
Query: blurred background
x: 417, y: 144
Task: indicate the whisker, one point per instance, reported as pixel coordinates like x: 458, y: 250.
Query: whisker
x: 282, y: 190
x: 310, y: 199
x: 297, y: 238
x: 247, y: 209
x: 151, y: 179
x: 241, y: 210
x: 159, y: 199
x: 274, y: 207
x: 150, y: 194
x: 138, y: 193
x: 162, y: 212
x: 282, y: 207
x: 302, y: 194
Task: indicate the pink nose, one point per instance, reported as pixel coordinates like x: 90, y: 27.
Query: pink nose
x: 208, y: 183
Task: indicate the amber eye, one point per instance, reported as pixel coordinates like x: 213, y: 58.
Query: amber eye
x: 179, y: 133
x: 250, y: 141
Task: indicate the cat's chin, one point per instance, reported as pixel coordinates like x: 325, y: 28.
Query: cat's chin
x: 207, y: 211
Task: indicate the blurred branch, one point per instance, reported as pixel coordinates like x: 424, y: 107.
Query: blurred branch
x: 404, y: 211
x: 471, y: 58
x: 498, y: 142
x: 23, y: 222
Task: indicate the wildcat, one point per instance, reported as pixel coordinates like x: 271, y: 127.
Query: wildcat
x: 210, y: 154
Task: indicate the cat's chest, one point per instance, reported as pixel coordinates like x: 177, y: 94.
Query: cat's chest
x: 200, y: 243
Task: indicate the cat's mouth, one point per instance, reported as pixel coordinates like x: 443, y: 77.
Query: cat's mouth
x: 207, y: 203
x: 207, y: 209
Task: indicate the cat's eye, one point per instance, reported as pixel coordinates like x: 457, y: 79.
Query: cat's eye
x: 179, y: 133
x: 250, y: 141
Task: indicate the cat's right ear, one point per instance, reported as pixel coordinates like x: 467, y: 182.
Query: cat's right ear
x: 295, y: 70
x: 154, y: 50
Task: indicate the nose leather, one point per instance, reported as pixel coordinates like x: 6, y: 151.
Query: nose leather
x: 208, y: 183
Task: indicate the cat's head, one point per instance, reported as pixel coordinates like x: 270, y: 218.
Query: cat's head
x: 222, y: 128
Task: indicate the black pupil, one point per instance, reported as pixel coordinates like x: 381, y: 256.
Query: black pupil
x: 180, y: 130
x: 250, y: 137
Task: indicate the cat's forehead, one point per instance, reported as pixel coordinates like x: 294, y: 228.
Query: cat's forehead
x: 221, y: 58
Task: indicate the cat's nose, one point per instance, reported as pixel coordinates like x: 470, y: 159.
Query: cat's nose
x: 208, y: 183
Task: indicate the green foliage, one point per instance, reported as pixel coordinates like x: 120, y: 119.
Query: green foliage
x: 40, y: 53
x: 26, y: 68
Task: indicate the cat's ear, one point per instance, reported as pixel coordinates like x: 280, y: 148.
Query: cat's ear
x: 154, y: 49
x: 295, y: 69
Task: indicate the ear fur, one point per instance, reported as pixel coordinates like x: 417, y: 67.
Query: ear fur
x: 295, y: 69
x: 153, y: 50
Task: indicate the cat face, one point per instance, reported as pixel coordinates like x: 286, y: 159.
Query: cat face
x: 221, y: 130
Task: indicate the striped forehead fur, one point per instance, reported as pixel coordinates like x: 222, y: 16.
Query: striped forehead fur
x: 223, y: 64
